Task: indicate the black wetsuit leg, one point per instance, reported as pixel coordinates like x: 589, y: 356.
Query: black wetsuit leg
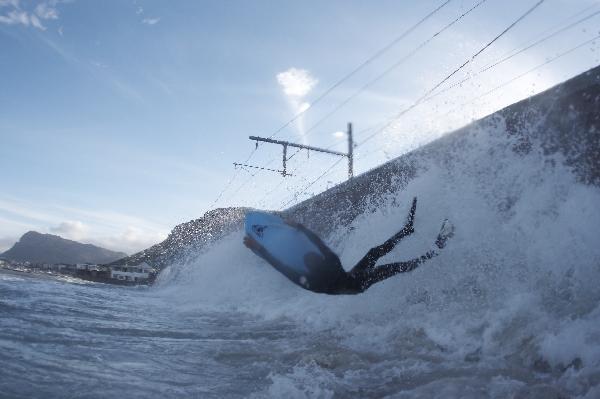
x: 367, y: 278
x: 369, y: 260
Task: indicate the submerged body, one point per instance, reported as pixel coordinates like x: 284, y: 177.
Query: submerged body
x: 321, y: 270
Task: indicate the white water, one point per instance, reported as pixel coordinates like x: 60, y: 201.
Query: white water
x: 511, y: 308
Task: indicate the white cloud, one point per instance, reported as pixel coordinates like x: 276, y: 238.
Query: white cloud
x: 296, y: 82
x: 150, y: 21
x: 35, y: 21
x: 74, y: 230
x: 12, y: 13
x: 129, y: 239
x: 132, y: 239
x: 339, y: 135
x: 15, y: 17
x: 46, y: 11
x: 108, y: 229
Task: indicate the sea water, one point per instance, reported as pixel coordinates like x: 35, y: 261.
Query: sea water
x: 511, y: 308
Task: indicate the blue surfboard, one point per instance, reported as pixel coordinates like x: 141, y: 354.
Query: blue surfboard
x: 286, y: 243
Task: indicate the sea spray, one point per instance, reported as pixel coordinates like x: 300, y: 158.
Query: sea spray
x: 514, y: 294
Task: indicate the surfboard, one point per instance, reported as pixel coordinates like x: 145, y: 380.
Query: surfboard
x: 286, y: 243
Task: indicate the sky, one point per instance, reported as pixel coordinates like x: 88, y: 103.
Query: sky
x: 121, y: 119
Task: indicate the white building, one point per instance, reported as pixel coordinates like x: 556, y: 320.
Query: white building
x: 139, y: 272
x: 86, y: 266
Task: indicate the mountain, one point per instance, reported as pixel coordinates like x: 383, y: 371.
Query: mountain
x: 47, y: 248
x: 562, y: 123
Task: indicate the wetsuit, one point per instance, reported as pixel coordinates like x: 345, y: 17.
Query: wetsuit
x: 326, y: 274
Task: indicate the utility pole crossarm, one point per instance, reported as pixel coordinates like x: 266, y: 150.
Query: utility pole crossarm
x: 289, y: 144
x: 286, y: 144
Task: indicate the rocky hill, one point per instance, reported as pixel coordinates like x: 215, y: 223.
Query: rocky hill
x: 47, y: 248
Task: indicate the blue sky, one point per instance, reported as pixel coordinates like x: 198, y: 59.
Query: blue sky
x: 121, y: 119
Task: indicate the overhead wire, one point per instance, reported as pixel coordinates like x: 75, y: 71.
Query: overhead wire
x: 428, y: 94
x: 312, y: 183
x: 363, y: 64
x: 506, y: 83
x: 435, y: 87
x: 230, y: 181
x: 544, y: 32
x: 366, y: 62
x: 262, y: 199
x: 380, y: 76
x: 514, y: 54
x: 292, y: 173
x: 446, y: 78
x: 548, y: 61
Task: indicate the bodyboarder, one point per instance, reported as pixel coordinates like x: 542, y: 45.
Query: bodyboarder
x: 329, y: 277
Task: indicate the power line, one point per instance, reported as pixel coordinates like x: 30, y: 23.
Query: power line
x: 514, y: 54
x: 328, y: 171
x: 469, y: 60
x: 312, y: 182
x: 548, y: 61
x: 261, y: 201
x: 297, y: 167
x: 230, y: 181
x: 336, y: 142
x: 391, y: 68
x: 509, y: 55
x: 244, y: 183
x: 552, y: 28
x: 529, y: 11
x: 377, y: 54
x: 333, y: 87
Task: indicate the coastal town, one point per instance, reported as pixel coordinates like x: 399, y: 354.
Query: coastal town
x: 141, y: 274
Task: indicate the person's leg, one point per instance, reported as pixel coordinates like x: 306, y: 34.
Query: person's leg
x: 372, y: 276
x: 369, y: 260
x: 368, y: 277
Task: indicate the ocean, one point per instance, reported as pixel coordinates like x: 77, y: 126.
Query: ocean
x: 509, y: 309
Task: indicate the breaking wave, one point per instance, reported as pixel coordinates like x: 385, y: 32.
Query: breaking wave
x: 511, y: 306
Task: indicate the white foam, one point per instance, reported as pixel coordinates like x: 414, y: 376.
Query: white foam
x: 518, y: 282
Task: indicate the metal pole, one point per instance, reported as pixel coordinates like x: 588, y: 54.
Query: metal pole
x: 284, y: 159
x: 350, y: 152
x: 287, y: 144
